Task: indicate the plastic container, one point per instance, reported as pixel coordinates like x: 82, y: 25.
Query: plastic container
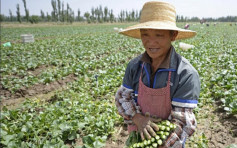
x: 27, y: 38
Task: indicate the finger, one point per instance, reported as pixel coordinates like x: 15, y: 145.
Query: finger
x: 155, y: 119
x: 147, y: 114
x: 148, y: 136
x: 151, y: 131
x: 154, y: 126
x: 142, y: 135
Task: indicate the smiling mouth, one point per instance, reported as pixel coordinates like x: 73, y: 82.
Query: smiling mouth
x: 153, y: 50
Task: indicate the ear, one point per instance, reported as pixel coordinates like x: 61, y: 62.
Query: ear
x: 175, y: 34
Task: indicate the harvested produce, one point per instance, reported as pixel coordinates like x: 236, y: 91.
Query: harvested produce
x: 165, y: 128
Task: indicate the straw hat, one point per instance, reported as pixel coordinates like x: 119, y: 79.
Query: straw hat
x: 157, y: 15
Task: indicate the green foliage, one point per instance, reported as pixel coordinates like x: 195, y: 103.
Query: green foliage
x: 26, y: 11
x: 202, y: 143
x: 134, y: 137
x: 39, y: 125
x: 85, y: 110
x: 97, y: 57
x: 34, y: 19
x: 2, y: 17
x: 18, y: 13
x: 214, y: 57
x: 165, y: 128
x: 232, y: 146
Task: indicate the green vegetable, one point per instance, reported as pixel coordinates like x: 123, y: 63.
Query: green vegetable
x: 159, y: 142
x: 155, y: 145
x: 160, y: 132
x: 165, y: 128
x: 162, y: 127
x: 145, y: 142
x: 166, y: 133
x: 163, y: 137
x: 152, y: 139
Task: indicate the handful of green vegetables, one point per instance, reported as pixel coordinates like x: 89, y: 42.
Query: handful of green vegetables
x: 165, y: 128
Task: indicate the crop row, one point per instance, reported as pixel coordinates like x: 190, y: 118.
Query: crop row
x: 86, y: 110
x: 214, y: 56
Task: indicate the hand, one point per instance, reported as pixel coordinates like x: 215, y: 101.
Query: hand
x: 146, y: 125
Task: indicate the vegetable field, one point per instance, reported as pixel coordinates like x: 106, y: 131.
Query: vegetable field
x: 59, y: 91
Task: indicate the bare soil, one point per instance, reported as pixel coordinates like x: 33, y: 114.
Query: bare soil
x: 215, y: 127
x: 219, y: 129
x: 12, y: 100
x: 118, y: 140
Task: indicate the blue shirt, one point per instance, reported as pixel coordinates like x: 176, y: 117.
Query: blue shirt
x: 185, y: 82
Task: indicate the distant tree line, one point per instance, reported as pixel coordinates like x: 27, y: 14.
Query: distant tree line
x: 63, y: 13
x: 180, y: 18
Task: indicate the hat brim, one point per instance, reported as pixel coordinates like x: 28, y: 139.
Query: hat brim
x: 134, y: 31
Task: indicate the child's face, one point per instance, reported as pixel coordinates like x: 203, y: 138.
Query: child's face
x: 156, y: 42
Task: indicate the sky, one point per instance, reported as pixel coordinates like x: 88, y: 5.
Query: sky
x: 189, y: 8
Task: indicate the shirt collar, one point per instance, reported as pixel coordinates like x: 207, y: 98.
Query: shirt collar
x: 165, y: 64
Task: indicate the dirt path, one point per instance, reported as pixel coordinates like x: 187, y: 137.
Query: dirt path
x: 215, y: 128
x: 36, y: 91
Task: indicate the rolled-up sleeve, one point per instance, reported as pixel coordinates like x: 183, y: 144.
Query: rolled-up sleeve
x: 124, y: 98
x: 184, y: 100
x: 185, y: 121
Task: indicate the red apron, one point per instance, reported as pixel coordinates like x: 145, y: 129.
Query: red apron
x: 155, y: 101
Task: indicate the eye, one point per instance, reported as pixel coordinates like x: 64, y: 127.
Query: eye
x: 144, y: 34
x: 159, y: 35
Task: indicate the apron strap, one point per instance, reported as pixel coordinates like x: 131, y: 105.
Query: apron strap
x: 169, y: 78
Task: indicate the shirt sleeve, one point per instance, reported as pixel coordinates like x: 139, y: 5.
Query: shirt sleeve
x: 124, y: 98
x: 185, y: 121
x: 184, y: 100
x: 128, y: 77
x: 188, y: 90
x: 126, y: 105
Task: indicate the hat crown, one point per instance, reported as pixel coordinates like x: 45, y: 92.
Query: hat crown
x: 158, y: 11
x: 157, y: 15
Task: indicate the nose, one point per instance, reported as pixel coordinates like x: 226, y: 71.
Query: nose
x: 152, y: 41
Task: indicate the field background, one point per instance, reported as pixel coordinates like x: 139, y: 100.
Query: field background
x: 59, y: 91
